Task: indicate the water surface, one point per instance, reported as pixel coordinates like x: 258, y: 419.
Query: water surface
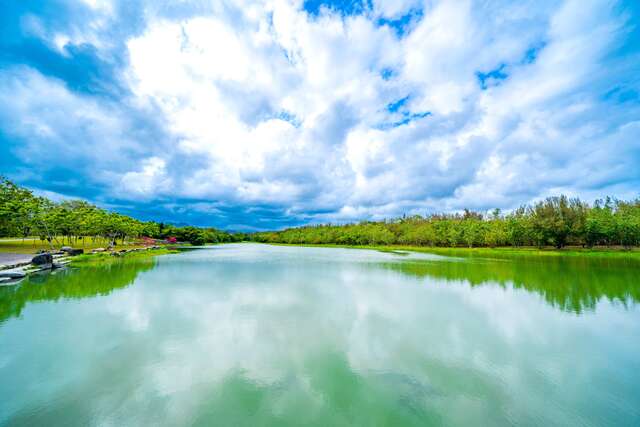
x: 251, y: 335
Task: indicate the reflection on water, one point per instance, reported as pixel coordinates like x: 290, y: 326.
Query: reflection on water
x: 571, y: 284
x: 69, y: 283
x: 261, y: 335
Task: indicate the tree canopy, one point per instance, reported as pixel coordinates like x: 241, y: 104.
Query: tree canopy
x: 555, y: 221
x: 23, y: 214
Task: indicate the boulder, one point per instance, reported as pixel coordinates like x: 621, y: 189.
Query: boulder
x: 74, y: 252
x: 41, y: 267
x: 13, y: 274
x: 98, y: 250
x: 42, y: 259
x: 66, y: 248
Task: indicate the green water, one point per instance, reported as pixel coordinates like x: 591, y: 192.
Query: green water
x: 250, y: 335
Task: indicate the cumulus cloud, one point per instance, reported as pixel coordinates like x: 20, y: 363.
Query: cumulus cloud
x: 59, y: 130
x: 151, y: 179
x: 337, y: 114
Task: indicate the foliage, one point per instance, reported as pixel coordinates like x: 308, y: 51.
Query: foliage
x: 23, y: 214
x: 555, y: 221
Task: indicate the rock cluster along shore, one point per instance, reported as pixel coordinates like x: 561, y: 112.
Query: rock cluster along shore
x: 123, y: 251
x: 11, y: 273
x: 41, y: 262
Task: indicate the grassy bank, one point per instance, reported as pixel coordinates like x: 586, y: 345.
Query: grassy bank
x: 494, y: 252
x: 31, y: 245
x: 107, y: 258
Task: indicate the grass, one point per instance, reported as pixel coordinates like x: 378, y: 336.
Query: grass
x: 31, y: 245
x: 107, y: 258
x: 495, y: 252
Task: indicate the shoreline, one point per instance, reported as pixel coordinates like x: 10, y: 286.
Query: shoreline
x: 618, y: 253
x: 14, y: 274
x: 102, y: 258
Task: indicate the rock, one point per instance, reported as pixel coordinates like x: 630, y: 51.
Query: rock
x: 12, y: 274
x: 70, y: 251
x: 42, y: 267
x: 97, y: 250
x: 12, y: 266
x: 74, y: 252
x: 42, y: 259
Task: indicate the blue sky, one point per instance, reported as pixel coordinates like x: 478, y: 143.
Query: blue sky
x: 263, y: 114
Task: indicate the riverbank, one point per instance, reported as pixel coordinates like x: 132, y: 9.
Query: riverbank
x: 114, y: 257
x: 12, y: 274
x: 491, y: 252
x: 33, y: 245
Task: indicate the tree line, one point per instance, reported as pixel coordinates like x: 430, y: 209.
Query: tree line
x: 556, y: 221
x: 23, y: 214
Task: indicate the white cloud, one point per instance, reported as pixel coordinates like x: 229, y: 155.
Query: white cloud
x: 395, y: 8
x: 151, y: 179
x: 61, y: 127
x: 268, y: 105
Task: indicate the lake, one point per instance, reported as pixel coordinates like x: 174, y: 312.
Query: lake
x: 252, y: 335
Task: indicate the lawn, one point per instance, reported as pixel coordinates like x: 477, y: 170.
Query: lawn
x: 32, y: 245
x: 107, y: 258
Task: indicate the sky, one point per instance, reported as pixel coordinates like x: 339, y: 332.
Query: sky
x: 254, y: 115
